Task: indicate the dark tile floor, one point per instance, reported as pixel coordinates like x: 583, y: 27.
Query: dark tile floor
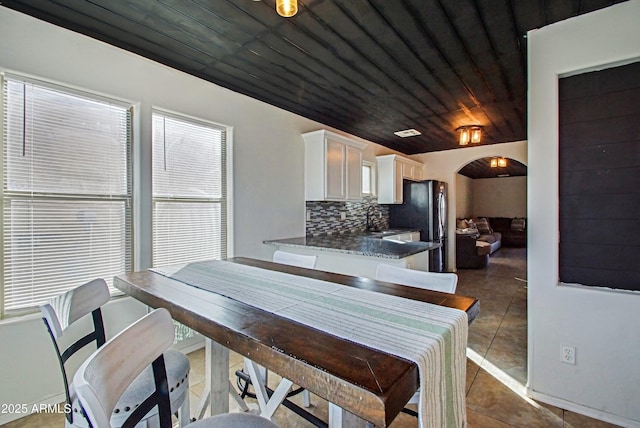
x: 496, y: 364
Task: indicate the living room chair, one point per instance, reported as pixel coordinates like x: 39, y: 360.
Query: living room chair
x: 63, y: 311
x: 104, y: 377
x: 446, y: 282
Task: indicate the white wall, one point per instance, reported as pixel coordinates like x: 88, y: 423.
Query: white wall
x: 500, y: 197
x: 464, y: 196
x: 445, y: 165
x: 267, y: 163
x: 602, y: 324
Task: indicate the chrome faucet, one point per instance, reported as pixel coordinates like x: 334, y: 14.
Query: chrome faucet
x: 369, y: 224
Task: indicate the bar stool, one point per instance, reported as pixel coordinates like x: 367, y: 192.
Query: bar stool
x: 102, y: 378
x: 63, y: 311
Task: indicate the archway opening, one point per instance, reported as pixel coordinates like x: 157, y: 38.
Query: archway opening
x: 491, y: 209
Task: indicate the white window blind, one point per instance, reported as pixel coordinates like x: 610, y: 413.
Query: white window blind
x: 189, y: 190
x: 66, y: 198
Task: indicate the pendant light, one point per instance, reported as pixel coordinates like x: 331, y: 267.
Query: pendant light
x: 287, y: 8
x: 499, y: 162
x: 469, y: 134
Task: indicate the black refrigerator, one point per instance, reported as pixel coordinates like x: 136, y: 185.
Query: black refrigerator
x: 424, y: 207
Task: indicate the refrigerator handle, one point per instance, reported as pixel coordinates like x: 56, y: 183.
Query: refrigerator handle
x: 442, y: 215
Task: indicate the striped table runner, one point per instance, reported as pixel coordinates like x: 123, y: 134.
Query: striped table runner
x: 432, y: 336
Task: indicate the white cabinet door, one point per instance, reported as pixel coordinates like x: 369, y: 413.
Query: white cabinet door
x: 354, y: 173
x: 397, y: 185
x: 392, y: 169
x: 417, y: 173
x: 407, y: 171
x: 411, y: 171
x: 336, y: 165
x: 332, y: 167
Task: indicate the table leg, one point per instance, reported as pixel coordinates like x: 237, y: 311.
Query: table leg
x: 340, y: 418
x: 206, y: 395
x: 268, y: 405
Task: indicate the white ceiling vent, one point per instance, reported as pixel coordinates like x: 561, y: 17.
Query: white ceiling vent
x: 408, y: 133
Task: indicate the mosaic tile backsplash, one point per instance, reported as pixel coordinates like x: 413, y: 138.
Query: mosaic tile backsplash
x: 324, y: 218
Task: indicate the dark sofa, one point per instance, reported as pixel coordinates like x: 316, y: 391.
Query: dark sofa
x: 479, y: 237
x: 471, y: 253
x: 513, y: 230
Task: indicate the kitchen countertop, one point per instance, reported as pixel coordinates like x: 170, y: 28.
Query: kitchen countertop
x: 360, y: 243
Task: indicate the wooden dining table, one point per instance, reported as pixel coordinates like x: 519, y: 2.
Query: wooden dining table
x: 344, y: 373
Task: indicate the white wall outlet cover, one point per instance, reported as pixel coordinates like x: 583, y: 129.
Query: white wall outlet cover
x: 568, y: 354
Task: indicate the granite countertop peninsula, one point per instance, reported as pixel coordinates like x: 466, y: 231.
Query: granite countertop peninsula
x: 360, y: 243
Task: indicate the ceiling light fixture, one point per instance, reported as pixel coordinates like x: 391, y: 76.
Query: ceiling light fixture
x: 469, y: 134
x: 498, y: 162
x: 287, y: 8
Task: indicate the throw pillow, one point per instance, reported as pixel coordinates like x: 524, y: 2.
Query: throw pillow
x: 517, y: 224
x: 462, y: 224
x: 473, y: 225
x: 483, y: 225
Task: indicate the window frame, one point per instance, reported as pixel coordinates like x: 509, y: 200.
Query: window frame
x: 372, y: 178
x: 127, y: 198
x: 227, y: 191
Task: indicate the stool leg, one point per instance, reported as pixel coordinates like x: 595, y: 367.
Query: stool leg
x: 184, y: 411
x: 306, y: 398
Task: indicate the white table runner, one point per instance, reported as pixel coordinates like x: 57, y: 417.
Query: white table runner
x: 432, y: 336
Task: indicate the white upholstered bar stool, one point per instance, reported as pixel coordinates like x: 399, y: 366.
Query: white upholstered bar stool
x: 60, y: 313
x: 102, y: 378
x: 293, y: 259
x: 436, y: 281
x: 445, y: 282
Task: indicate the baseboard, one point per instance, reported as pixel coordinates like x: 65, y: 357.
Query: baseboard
x: 47, y: 405
x: 584, y: 410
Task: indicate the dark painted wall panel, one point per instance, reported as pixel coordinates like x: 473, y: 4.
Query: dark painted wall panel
x: 591, y: 183
x: 601, y: 156
x: 606, y: 206
x: 619, y: 103
x: 585, y: 85
x: 606, y: 131
x: 602, y: 278
x: 600, y: 178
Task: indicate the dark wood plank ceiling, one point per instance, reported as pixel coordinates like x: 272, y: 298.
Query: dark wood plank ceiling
x: 481, y: 168
x: 367, y: 67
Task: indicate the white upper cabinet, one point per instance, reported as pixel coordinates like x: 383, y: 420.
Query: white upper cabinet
x: 332, y: 167
x: 392, y: 169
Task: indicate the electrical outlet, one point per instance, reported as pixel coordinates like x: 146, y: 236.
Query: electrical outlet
x: 308, y: 215
x: 568, y: 354
x: 343, y: 215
